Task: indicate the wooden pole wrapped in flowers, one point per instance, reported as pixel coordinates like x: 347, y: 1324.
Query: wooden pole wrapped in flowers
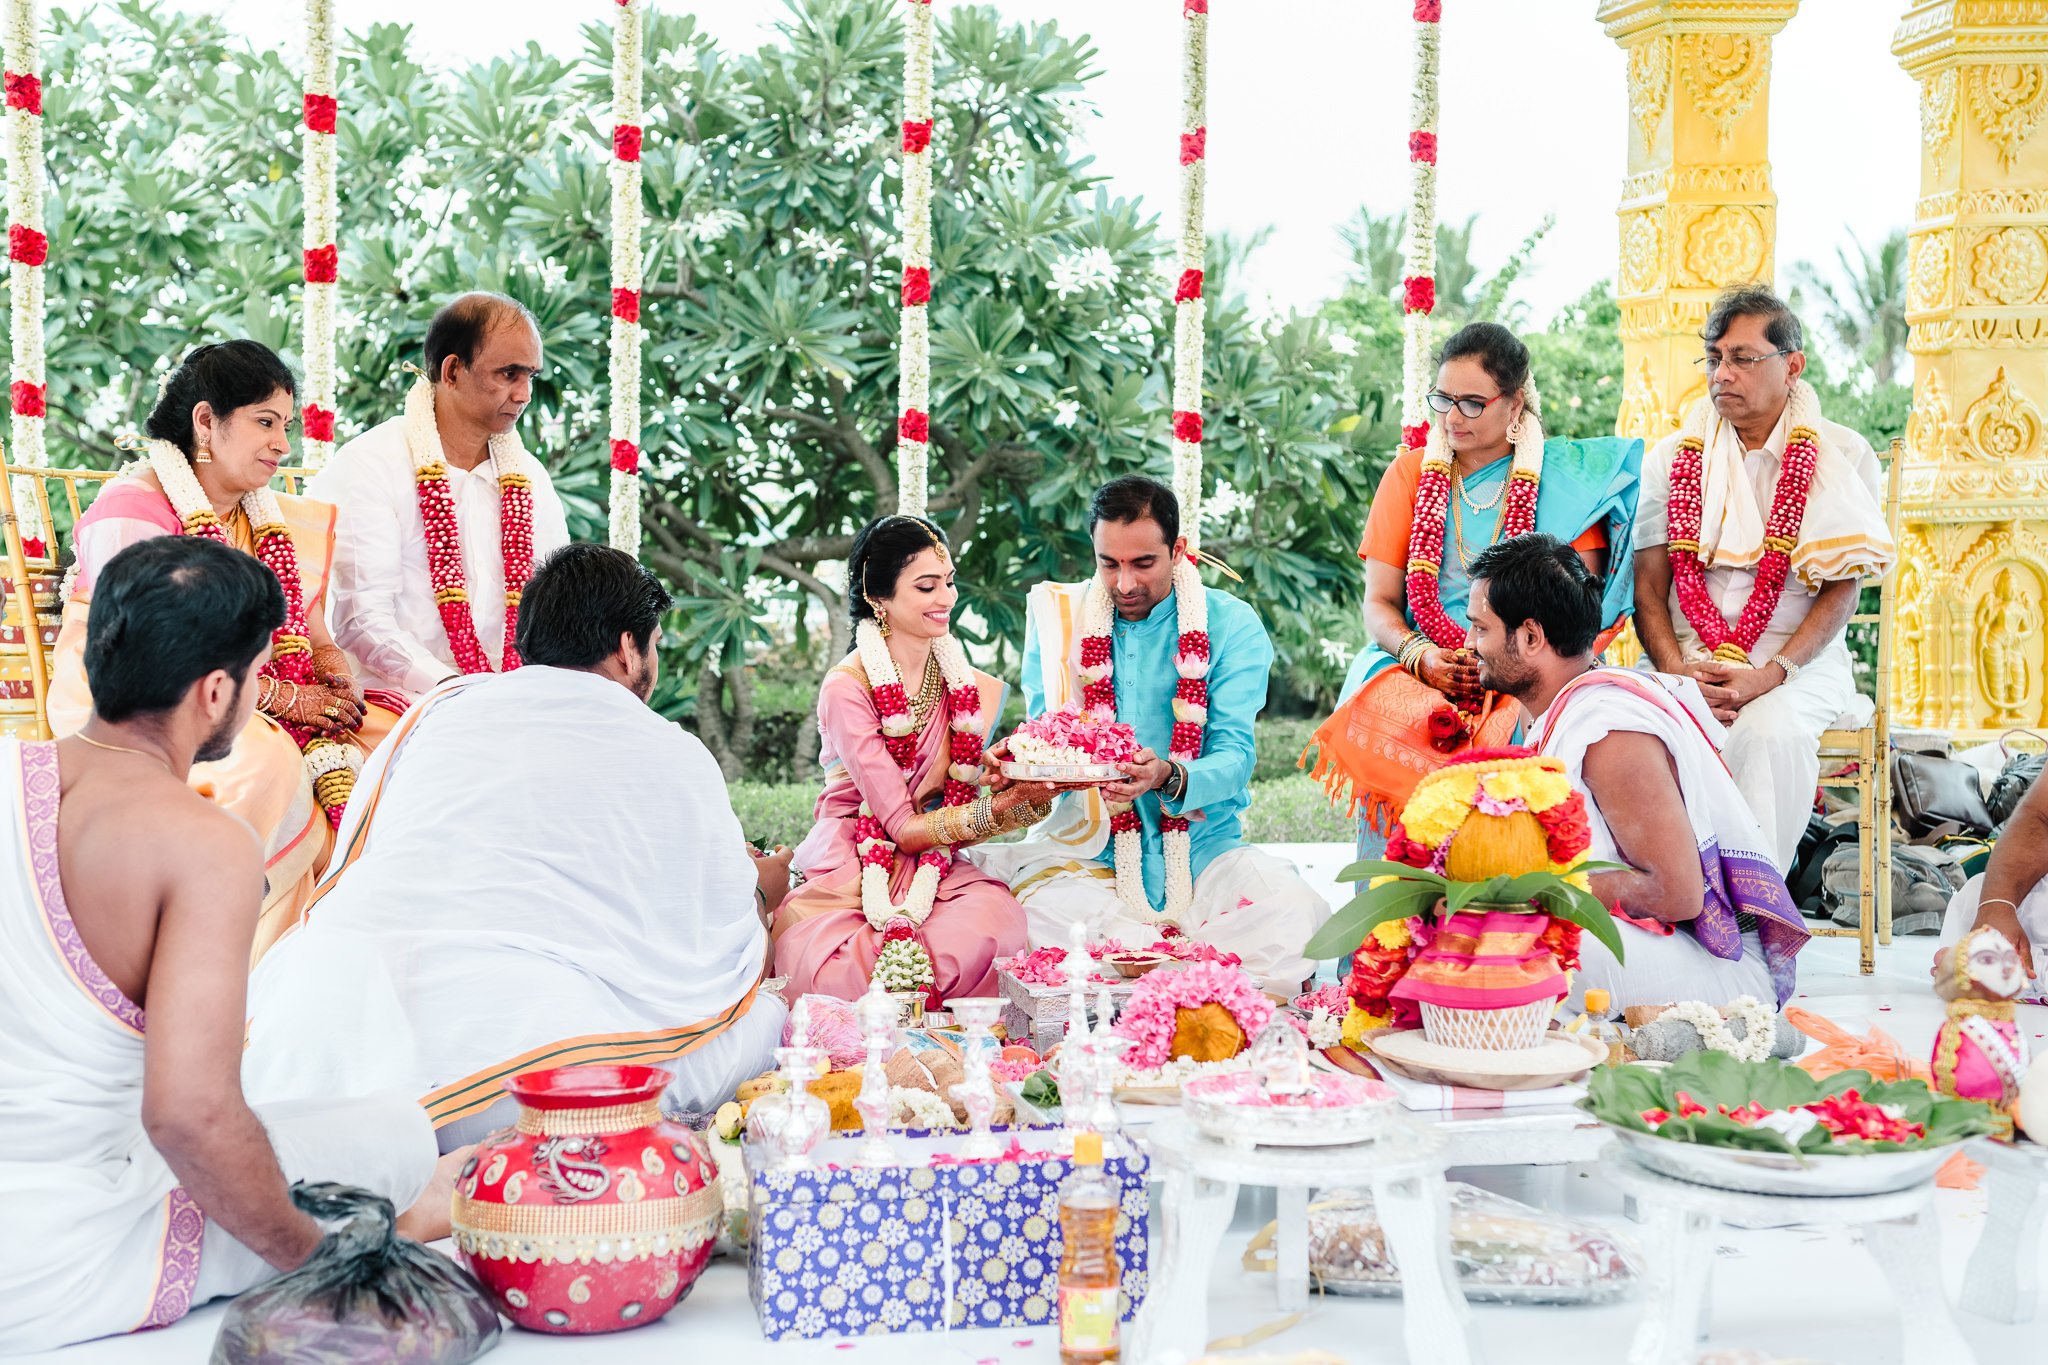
x: 914, y: 345
x: 322, y: 263
x: 1473, y: 918
x: 27, y: 246
x: 1187, y: 292
x: 625, y: 331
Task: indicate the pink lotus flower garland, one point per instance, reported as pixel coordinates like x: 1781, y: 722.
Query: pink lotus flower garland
x: 1781, y: 535
x: 1071, y: 735
x: 1190, y: 714
x: 1149, y: 1016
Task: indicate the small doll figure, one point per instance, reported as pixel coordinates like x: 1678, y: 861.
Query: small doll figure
x: 1979, y: 1053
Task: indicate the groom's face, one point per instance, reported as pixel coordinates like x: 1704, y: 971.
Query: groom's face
x: 1136, y: 564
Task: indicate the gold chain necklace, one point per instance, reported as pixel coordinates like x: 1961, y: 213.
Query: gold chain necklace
x: 123, y: 749
x: 1458, y: 534
x: 927, y: 697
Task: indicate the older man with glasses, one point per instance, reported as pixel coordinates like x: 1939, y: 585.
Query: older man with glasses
x: 1757, y: 521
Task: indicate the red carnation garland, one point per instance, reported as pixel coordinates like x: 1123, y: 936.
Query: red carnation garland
x: 1781, y: 535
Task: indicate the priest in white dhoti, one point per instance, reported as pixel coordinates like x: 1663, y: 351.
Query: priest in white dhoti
x: 136, y: 1181
x: 1757, y: 522
x: 1702, y: 910
x: 1186, y: 668
x: 441, y: 514
x: 536, y: 871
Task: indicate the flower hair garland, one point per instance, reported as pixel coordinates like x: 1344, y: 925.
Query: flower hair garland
x: 27, y: 246
x: 517, y: 473
x: 1418, y: 288
x: 1190, y: 716
x: 322, y: 264
x: 331, y: 767
x: 1781, y: 529
x: 1148, y: 1018
x: 627, y: 67
x: 914, y: 394
x: 872, y: 844
x: 1187, y: 294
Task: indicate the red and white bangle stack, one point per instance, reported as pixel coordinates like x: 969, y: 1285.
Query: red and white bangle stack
x: 1418, y: 289
x: 1187, y: 292
x: 316, y: 175
x: 914, y: 392
x: 27, y: 246
x: 625, y: 335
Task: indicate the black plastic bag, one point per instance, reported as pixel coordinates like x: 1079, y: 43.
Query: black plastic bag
x: 366, y: 1296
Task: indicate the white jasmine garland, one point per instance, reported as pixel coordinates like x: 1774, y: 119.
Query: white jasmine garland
x: 1761, y: 1027
x: 911, y: 1107
x: 627, y: 69
x: 1421, y: 249
x: 317, y: 183
x: 1188, y: 313
x: 25, y: 195
x: 915, y: 249
x: 903, y: 965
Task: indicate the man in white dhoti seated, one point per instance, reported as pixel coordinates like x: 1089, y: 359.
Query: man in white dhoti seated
x: 1703, y: 911
x: 441, y: 514
x: 1757, y: 522
x: 2011, y: 893
x: 1185, y: 666
x: 135, y: 1180
x: 536, y: 870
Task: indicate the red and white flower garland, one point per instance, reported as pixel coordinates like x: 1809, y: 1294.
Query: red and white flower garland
x: 1418, y: 289
x: 330, y: 766
x: 1190, y: 716
x: 1433, y: 504
x: 517, y: 474
x: 899, y: 732
x: 321, y: 264
x: 27, y: 246
x: 1781, y: 530
x: 914, y: 346
x: 625, y: 335
x: 1187, y: 293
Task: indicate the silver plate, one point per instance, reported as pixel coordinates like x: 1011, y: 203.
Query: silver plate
x: 1062, y: 772
x: 1731, y: 1168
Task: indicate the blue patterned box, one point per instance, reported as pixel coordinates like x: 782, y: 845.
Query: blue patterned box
x: 845, y: 1250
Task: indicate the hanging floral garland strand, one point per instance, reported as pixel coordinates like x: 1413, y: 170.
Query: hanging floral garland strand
x: 625, y: 337
x: 316, y: 173
x: 27, y: 246
x: 913, y: 425
x: 1418, y: 289
x: 1187, y: 292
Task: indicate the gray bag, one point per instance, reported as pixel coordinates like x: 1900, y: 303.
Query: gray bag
x: 1924, y: 878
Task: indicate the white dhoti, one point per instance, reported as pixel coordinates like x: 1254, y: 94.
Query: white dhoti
x: 1247, y: 902
x: 1664, y: 969
x: 1773, y: 748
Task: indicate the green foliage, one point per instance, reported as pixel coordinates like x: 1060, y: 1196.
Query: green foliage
x: 1620, y: 1095
x: 1294, y: 810
x: 1398, y: 891
x: 773, y: 813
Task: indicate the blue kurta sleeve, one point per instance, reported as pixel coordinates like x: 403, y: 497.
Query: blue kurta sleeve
x: 1241, y: 658
x: 1034, y: 674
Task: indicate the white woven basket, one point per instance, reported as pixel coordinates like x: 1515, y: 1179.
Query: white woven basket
x: 1506, y: 1030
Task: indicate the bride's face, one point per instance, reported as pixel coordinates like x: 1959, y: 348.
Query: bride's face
x: 247, y: 444
x: 922, y: 605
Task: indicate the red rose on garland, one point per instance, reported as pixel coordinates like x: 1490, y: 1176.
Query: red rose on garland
x: 1562, y: 938
x: 898, y: 930
x: 1566, y: 829
x: 1446, y: 729
x: 1402, y: 849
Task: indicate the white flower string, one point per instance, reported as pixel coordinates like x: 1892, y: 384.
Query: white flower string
x: 1418, y: 289
x: 877, y: 852
x: 1187, y: 293
x: 914, y: 346
x: 27, y: 246
x: 1759, y: 1025
x: 321, y: 264
x: 627, y: 64
x: 1190, y: 715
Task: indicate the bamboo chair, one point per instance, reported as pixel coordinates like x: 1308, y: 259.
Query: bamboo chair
x: 29, y: 620
x: 1860, y: 759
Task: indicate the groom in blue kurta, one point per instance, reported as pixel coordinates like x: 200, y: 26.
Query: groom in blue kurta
x: 1245, y: 901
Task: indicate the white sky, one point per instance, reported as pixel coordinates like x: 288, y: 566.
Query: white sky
x: 1308, y: 118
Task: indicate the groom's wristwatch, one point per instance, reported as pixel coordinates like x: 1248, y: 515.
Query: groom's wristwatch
x: 1176, y: 784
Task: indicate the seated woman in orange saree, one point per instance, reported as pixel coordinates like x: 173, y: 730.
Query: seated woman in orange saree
x: 220, y: 436
x: 1480, y: 472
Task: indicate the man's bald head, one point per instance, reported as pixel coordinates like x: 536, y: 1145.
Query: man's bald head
x: 463, y: 324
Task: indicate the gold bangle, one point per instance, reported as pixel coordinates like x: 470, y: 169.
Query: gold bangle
x: 936, y: 828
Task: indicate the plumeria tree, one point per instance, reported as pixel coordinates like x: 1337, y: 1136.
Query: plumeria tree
x: 770, y: 180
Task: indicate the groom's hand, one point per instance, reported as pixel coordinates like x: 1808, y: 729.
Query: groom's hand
x: 992, y: 760
x: 1144, y: 773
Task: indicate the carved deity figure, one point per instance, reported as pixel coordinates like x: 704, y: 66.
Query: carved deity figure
x: 1979, y: 1052
x: 2007, y: 622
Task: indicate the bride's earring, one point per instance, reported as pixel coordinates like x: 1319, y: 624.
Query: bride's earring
x: 205, y: 455
x: 881, y: 622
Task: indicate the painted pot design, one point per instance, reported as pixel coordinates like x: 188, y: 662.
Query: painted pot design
x: 592, y: 1213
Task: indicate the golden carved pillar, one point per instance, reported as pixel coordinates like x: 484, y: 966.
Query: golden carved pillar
x: 1971, y: 652
x: 1697, y: 210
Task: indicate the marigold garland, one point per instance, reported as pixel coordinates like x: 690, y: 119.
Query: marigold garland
x: 914, y: 344
x: 627, y: 69
x: 1188, y: 308
x: 322, y: 258
x: 27, y: 247
x: 517, y: 474
x: 330, y: 767
x: 1190, y: 716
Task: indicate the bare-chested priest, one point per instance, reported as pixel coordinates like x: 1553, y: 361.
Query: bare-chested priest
x: 135, y: 1181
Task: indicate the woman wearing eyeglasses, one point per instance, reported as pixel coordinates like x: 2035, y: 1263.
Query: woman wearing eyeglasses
x: 1413, y: 697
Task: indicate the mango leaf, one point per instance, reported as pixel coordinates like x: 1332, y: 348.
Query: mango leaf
x: 1366, y: 912
x: 1382, y: 867
x: 1569, y: 903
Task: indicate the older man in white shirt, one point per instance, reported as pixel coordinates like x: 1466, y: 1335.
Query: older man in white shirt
x: 1718, y: 495
x: 410, y: 607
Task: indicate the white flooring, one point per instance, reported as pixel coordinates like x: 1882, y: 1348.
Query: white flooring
x: 1791, y: 1294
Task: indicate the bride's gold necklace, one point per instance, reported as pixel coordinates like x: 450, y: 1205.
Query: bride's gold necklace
x: 927, y: 697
